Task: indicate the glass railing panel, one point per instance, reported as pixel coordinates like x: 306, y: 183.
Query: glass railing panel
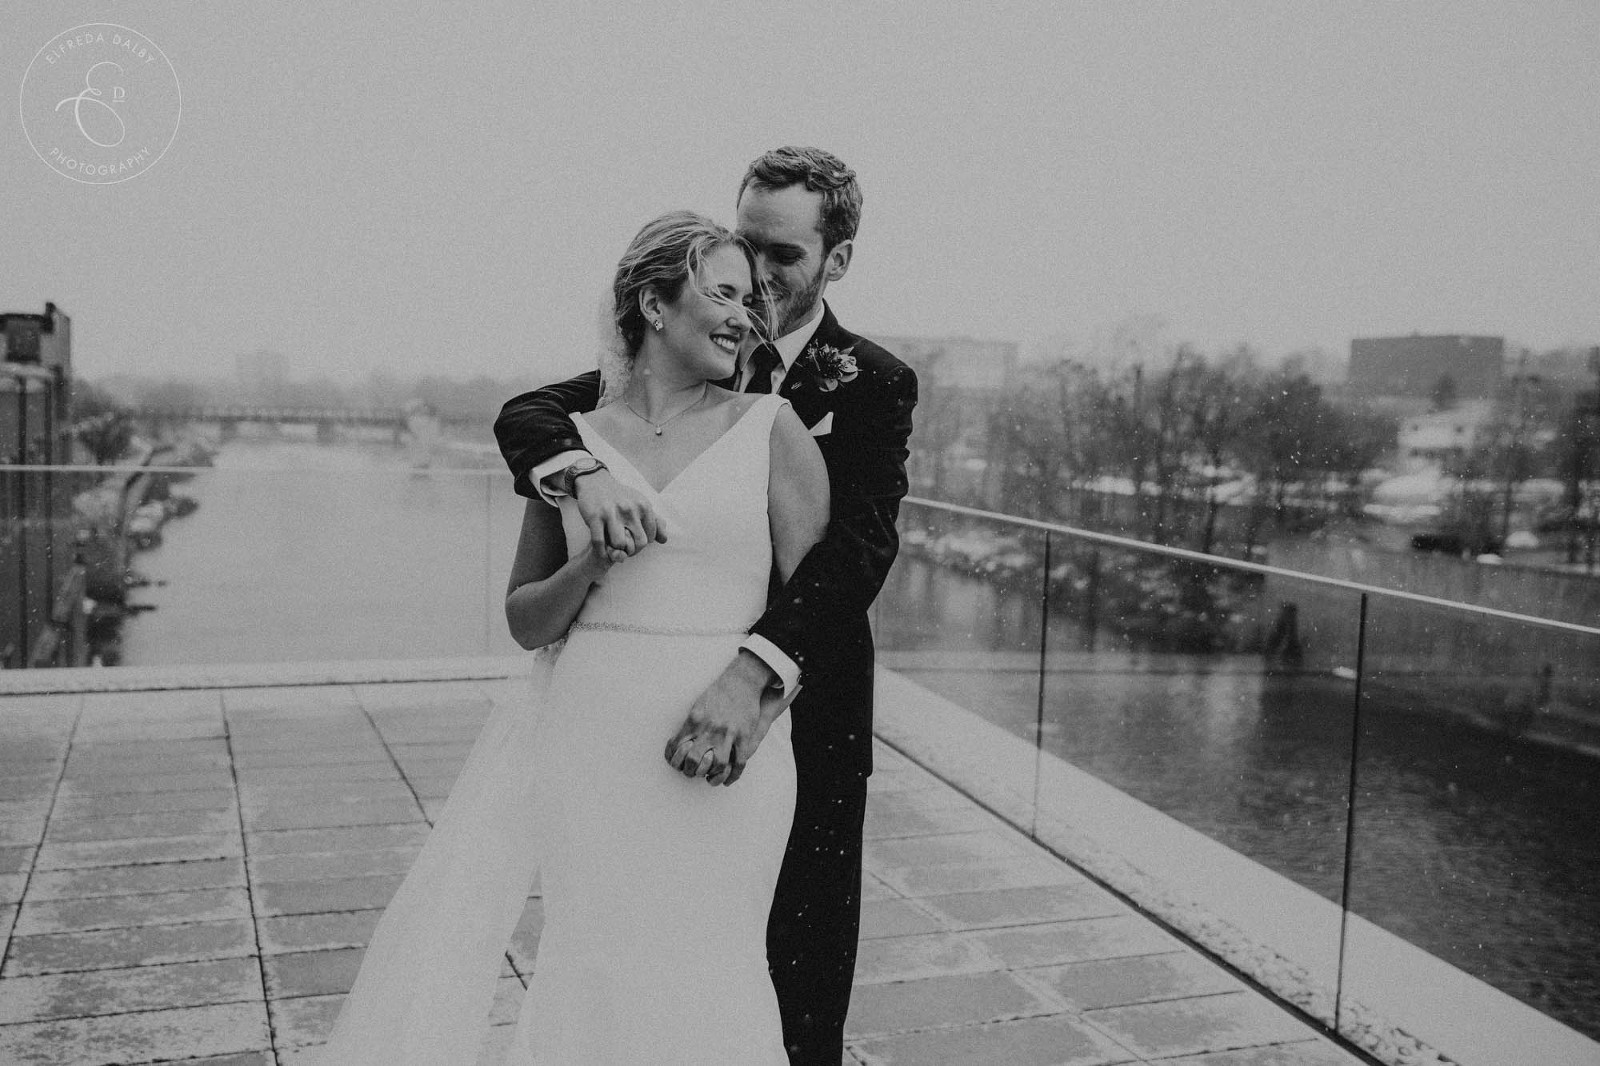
x: 1474, y: 894
x: 502, y: 524
x: 1196, y: 750
x: 254, y: 561
x: 289, y: 565
x: 958, y: 625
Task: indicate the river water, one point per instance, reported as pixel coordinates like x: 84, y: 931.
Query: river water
x: 304, y: 552
x: 1479, y: 849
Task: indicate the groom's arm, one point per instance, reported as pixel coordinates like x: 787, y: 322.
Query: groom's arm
x: 840, y: 577
x: 535, y: 428
x: 537, y: 439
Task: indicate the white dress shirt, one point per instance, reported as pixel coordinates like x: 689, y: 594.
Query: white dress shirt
x: 789, y: 347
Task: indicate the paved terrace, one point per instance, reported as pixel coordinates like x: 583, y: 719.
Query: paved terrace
x: 192, y: 875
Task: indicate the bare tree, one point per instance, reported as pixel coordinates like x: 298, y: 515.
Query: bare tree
x: 1054, y: 431
x: 100, y: 423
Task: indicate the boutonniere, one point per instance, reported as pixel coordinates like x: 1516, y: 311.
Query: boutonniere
x: 832, y: 365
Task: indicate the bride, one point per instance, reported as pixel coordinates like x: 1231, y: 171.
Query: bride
x: 656, y: 888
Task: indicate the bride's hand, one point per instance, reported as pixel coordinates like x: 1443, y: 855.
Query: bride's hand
x: 602, y: 557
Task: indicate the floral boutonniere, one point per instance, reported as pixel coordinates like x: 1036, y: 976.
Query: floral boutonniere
x: 832, y: 365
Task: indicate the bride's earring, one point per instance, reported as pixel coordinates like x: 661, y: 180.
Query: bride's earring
x: 657, y: 325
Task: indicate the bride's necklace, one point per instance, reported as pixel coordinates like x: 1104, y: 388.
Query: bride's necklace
x: 705, y: 390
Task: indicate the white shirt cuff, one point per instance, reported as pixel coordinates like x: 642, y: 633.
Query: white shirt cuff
x: 768, y: 652
x: 553, y: 466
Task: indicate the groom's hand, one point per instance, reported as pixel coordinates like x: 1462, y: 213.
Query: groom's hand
x: 728, y: 717
x: 619, y: 518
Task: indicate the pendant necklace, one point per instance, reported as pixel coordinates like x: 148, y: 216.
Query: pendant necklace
x: 705, y: 390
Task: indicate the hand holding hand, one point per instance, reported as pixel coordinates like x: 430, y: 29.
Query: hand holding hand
x: 600, y: 558
x: 620, y: 519
x: 727, y: 723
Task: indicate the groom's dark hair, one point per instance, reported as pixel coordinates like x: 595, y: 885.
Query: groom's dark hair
x: 818, y: 171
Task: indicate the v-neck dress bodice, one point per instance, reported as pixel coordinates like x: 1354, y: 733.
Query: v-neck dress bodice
x: 711, y: 574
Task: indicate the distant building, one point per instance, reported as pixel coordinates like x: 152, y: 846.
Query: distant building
x: 1571, y: 370
x: 36, y: 382
x: 41, y: 585
x: 1436, y: 438
x: 961, y: 384
x: 971, y: 366
x: 1418, y: 367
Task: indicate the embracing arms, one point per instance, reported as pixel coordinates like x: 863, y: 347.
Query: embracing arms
x: 536, y: 426
x: 838, y: 579
x: 536, y: 437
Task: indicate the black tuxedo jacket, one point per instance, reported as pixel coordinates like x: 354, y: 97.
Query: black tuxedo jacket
x: 818, y: 618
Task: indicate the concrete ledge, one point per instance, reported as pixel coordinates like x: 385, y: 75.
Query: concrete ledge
x: 1264, y: 925
x: 257, y: 675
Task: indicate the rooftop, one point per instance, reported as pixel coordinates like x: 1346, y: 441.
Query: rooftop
x: 192, y: 874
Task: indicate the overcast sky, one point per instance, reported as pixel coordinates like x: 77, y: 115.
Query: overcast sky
x: 447, y: 187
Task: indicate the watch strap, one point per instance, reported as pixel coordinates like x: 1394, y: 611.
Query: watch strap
x: 571, y: 474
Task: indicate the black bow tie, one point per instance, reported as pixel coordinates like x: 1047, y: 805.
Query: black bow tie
x: 758, y: 370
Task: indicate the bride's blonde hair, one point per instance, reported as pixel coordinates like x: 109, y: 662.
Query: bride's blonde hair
x: 665, y: 255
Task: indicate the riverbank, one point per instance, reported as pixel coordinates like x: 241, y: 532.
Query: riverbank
x: 1519, y: 680
x: 122, y: 514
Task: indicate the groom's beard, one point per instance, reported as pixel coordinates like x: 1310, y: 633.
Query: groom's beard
x: 797, y: 306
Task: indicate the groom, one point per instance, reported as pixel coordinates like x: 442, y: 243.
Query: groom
x: 798, y: 208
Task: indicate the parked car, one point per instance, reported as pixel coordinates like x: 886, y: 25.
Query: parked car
x: 1455, y: 544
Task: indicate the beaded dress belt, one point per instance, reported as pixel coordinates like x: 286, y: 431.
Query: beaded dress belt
x: 660, y: 631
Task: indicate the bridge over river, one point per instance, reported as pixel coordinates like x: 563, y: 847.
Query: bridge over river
x: 228, y: 417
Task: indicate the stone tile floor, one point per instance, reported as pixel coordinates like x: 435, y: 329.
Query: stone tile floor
x: 192, y: 875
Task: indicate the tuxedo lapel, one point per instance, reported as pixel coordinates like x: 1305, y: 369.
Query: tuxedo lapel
x: 830, y: 332
x: 809, y: 402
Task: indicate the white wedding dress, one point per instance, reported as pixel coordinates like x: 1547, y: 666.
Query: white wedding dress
x: 655, y: 887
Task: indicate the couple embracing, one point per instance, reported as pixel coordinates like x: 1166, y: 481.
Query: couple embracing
x: 710, y: 515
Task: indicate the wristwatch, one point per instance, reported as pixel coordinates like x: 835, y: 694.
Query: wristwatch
x: 576, y: 469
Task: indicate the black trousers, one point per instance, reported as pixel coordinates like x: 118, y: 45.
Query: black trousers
x: 816, y: 917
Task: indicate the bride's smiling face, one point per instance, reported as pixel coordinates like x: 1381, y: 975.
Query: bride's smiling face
x: 705, y: 325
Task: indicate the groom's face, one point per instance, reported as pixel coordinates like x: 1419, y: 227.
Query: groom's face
x: 784, y: 226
